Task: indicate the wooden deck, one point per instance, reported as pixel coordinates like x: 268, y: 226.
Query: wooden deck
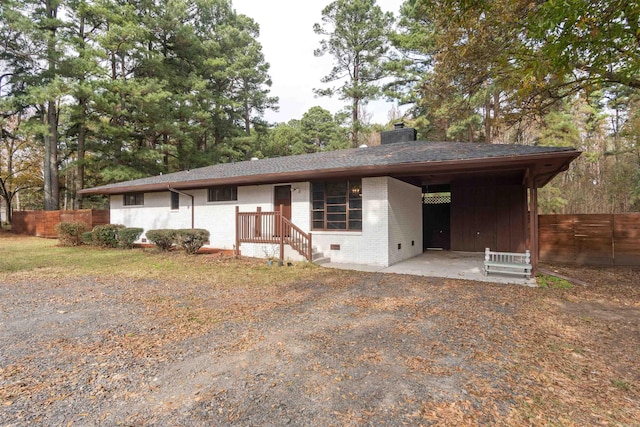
x: 272, y: 228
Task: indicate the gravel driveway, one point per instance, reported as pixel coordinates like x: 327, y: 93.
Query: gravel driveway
x: 341, y: 349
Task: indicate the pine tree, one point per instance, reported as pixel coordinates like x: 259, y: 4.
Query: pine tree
x: 357, y: 38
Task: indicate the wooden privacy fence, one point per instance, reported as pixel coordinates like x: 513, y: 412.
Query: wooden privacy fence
x: 43, y: 223
x: 272, y: 228
x: 603, y: 239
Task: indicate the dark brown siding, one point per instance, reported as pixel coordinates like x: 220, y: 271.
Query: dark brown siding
x: 488, y: 215
x: 511, y: 218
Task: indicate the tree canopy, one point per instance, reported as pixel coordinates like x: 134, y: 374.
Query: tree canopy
x: 515, y: 71
x: 98, y: 91
x: 356, y: 36
x: 117, y: 89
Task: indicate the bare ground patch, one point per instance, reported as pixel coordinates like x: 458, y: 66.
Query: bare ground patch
x: 337, y: 348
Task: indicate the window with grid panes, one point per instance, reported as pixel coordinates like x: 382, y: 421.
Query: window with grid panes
x: 222, y: 194
x: 337, y: 205
x: 133, y: 199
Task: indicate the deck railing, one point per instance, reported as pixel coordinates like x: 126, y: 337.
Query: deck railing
x: 272, y: 228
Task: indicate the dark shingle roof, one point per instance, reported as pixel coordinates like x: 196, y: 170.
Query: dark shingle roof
x: 403, y: 153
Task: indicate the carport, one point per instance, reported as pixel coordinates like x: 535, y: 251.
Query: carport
x: 488, y: 201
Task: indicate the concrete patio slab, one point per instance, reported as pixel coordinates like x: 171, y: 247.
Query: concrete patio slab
x: 447, y: 264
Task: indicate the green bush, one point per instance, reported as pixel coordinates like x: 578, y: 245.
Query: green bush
x: 87, y: 237
x: 106, y: 235
x: 126, y: 236
x: 163, y: 239
x: 191, y: 239
x: 70, y: 233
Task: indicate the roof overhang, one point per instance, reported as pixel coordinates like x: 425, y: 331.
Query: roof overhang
x: 543, y: 167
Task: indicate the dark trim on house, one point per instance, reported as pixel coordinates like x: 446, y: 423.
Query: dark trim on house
x: 547, y: 165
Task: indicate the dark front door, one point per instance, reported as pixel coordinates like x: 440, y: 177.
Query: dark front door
x: 282, y: 198
x: 436, y: 220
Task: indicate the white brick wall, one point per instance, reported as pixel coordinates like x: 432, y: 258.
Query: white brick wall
x: 217, y: 217
x: 156, y: 212
x: 370, y: 245
x: 392, y: 214
x: 300, y: 205
x: 405, y: 220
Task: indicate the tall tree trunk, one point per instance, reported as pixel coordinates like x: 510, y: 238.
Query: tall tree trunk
x: 6, y: 193
x: 496, y: 115
x: 355, y: 120
x: 247, y: 108
x: 6, y: 196
x: 487, y: 120
x: 202, y: 142
x: 51, y: 184
x: 118, y: 115
x: 81, y: 144
x: 82, y: 104
x: 9, y: 206
x: 247, y: 119
x: 355, y: 123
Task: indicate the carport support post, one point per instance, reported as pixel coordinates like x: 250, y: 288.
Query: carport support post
x: 533, y: 221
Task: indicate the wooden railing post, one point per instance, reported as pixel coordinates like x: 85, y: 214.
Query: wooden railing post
x: 271, y: 228
x: 281, y: 221
x: 258, y: 227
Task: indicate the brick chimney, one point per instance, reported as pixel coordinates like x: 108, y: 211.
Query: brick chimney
x: 399, y: 133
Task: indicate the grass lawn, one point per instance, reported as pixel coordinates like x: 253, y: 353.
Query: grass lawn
x: 42, y: 258
x: 137, y: 337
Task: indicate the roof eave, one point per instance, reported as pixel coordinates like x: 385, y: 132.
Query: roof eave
x: 542, y: 179
x: 431, y: 167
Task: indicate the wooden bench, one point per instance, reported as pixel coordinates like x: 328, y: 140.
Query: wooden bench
x: 507, y: 263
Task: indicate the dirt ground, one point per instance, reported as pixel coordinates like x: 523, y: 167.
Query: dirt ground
x: 341, y: 349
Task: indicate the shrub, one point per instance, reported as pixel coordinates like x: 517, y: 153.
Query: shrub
x: 106, y: 235
x: 126, y: 236
x: 163, y: 239
x: 87, y: 237
x: 191, y: 239
x: 70, y: 233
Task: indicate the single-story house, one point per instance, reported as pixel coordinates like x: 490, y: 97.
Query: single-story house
x: 370, y: 205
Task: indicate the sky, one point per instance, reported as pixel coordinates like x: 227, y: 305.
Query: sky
x: 288, y: 42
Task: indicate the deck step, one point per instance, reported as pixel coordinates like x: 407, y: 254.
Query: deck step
x: 319, y: 257
x: 322, y: 260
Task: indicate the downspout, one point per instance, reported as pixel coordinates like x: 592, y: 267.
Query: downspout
x: 173, y: 190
